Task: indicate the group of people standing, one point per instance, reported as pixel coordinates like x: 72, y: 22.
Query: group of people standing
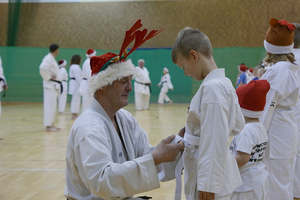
x: 56, y: 87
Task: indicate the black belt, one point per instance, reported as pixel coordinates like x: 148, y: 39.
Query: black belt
x: 73, y: 78
x: 147, y: 84
x: 1, y: 79
x: 61, y: 86
x: 84, y: 79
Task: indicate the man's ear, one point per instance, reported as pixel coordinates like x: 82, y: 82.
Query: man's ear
x: 194, y: 55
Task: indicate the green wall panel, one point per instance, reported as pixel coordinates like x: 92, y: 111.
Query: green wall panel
x: 21, y: 68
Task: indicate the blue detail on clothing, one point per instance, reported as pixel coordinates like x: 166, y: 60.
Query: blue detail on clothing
x: 242, y: 78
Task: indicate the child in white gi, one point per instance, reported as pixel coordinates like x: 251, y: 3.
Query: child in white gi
x: 249, y: 146
x: 211, y: 171
x: 62, y: 98
x: 165, y: 84
x: 3, y: 84
x: 296, y: 52
x: 278, y: 116
x: 75, y: 79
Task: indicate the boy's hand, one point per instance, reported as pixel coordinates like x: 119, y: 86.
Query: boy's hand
x: 206, y: 195
x: 166, y: 152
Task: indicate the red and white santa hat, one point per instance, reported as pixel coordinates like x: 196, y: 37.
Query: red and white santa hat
x: 62, y: 63
x: 90, y: 53
x: 243, y: 68
x: 110, y: 67
x: 279, y: 38
x: 252, y: 97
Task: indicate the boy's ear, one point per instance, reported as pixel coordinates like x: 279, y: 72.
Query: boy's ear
x: 194, y: 55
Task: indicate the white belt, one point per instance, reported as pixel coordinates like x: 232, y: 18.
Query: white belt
x: 190, y: 140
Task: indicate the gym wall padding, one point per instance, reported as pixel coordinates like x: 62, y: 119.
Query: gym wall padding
x: 21, y: 69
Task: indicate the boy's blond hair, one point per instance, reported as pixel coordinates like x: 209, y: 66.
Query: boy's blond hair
x: 191, y: 39
x: 297, y: 35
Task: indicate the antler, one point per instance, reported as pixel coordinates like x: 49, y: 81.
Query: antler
x: 139, y: 37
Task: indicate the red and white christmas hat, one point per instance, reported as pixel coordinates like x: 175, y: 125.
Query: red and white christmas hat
x: 110, y: 67
x: 62, y: 63
x: 90, y: 53
x: 252, y: 97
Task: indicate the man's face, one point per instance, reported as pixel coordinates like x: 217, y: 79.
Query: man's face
x: 141, y: 64
x: 118, y: 92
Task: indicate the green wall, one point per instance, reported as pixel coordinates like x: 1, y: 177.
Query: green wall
x: 21, y: 69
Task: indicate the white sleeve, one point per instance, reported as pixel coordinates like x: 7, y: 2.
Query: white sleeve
x: 170, y: 86
x: 78, y: 75
x: 273, y: 99
x: 44, y: 69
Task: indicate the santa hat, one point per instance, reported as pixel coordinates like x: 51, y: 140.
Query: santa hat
x: 243, y: 68
x: 90, y: 53
x: 252, y: 97
x: 62, y: 63
x: 166, y: 69
x: 110, y: 67
x: 279, y: 38
x: 251, y: 70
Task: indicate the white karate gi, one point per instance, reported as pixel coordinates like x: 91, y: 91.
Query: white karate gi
x: 279, y: 120
x: 296, y: 52
x: 62, y: 98
x: 99, y: 167
x: 166, y: 84
x: 253, y: 141
x: 2, y: 83
x: 75, y: 74
x: 49, y: 67
x: 213, y: 116
x: 142, y: 91
x: 84, y: 90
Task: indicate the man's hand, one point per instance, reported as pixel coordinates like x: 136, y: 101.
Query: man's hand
x: 53, y: 77
x: 166, y: 152
x: 206, y: 195
x: 5, y: 87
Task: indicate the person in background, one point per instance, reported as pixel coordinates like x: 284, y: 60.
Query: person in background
x: 75, y: 74
x: 142, y: 86
x: 62, y: 98
x: 165, y: 84
x: 242, y: 79
x: 52, y: 86
x: 84, y: 90
x: 278, y: 116
x: 249, y: 146
x: 3, y: 83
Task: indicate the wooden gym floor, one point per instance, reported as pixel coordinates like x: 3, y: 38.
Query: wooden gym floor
x: 32, y: 161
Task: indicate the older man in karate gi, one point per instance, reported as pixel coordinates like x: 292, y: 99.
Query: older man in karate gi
x: 108, y: 154
x: 52, y: 86
x: 3, y: 84
x: 142, y: 86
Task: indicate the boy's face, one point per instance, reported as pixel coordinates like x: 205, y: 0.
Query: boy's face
x: 189, y: 65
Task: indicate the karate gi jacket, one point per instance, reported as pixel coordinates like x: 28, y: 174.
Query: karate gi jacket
x: 142, y: 78
x: 165, y: 83
x: 214, y: 115
x: 278, y: 116
x: 2, y: 83
x: 86, y: 75
x: 99, y: 167
x: 75, y: 78
x: 49, y: 67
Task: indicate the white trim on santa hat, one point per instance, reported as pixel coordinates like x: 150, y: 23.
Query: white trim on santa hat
x: 91, y: 55
x: 113, y: 72
x: 251, y: 114
x: 278, y: 49
x: 166, y: 70
x: 63, y: 64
